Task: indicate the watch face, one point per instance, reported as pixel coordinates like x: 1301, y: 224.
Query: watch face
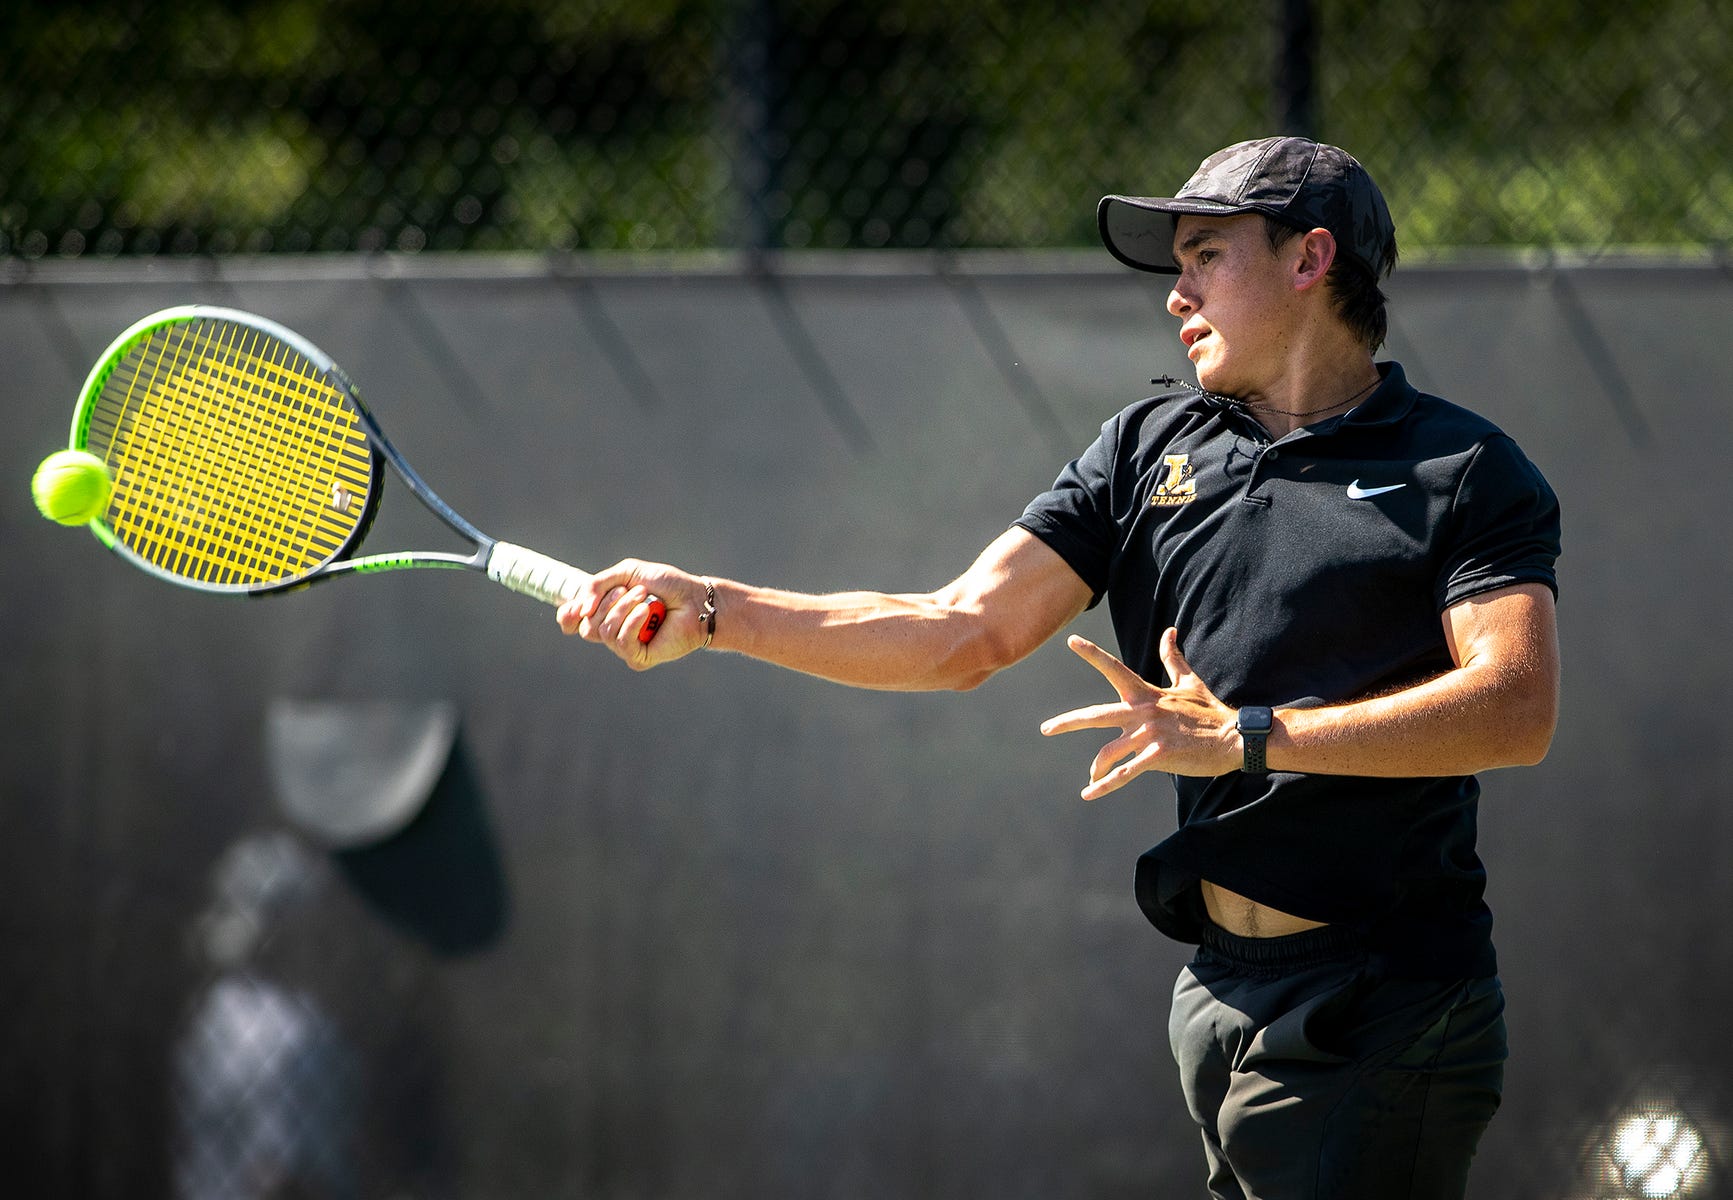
x: 1255, y: 718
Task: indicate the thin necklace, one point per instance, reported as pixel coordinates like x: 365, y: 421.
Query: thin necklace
x: 1248, y: 406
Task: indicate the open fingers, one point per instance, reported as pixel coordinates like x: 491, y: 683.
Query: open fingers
x: 1124, y: 773
x: 1095, y: 716
x: 1125, y: 681
x: 1178, y: 670
x: 1120, y: 747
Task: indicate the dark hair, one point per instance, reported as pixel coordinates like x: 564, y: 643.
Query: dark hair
x: 1354, y: 289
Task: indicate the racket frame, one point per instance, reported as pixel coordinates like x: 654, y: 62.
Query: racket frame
x: 513, y: 566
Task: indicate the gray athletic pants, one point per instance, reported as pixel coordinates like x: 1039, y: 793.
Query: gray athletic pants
x: 1313, y: 1077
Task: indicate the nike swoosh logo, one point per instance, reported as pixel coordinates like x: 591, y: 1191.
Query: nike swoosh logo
x: 1356, y: 492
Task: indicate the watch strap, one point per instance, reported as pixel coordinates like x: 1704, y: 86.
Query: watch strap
x: 1255, y: 723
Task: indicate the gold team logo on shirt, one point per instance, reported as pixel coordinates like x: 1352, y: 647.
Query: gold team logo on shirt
x: 1179, y: 487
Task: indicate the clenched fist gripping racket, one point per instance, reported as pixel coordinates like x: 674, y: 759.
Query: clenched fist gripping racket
x: 243, y: 461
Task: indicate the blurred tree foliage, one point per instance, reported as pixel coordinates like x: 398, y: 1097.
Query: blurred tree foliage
x: 216, y: 126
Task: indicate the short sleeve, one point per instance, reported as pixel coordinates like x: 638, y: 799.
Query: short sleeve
x: 1505, y: 527
x: 1074, y: 516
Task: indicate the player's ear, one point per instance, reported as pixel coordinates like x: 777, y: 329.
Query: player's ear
x: 1313, y: 252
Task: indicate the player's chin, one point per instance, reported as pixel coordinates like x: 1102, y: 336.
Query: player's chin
x: 1213, y: 375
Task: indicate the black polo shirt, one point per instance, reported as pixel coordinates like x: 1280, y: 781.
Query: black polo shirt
x: 1310, y: 571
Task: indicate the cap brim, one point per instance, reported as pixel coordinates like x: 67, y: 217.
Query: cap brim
x: 1138, y: 230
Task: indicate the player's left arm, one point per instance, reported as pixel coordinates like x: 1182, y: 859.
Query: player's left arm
x: 1497, y: 707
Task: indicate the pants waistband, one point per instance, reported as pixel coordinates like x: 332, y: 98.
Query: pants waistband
x: 1309, y: 947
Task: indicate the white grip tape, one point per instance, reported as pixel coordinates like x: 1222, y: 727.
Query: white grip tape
x: 521, y: 570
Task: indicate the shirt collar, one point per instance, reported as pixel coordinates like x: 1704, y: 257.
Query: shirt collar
x: 1387, y: 404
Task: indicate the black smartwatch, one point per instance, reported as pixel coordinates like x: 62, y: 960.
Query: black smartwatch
x: 1254, y: 723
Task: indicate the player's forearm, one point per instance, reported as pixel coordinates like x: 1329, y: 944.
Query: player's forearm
x: 1014, y: 596
x: 863, y: 639
x: 1473, y: 718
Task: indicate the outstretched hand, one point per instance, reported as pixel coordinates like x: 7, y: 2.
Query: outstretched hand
x: 1181, y: 729
x: 612, y: 606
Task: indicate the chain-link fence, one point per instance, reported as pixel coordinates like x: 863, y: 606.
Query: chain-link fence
x: 297, y: 125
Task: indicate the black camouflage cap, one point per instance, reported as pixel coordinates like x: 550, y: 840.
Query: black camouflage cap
x: 1300, y: 182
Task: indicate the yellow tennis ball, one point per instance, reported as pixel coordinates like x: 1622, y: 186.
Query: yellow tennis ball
x: 71, y: 486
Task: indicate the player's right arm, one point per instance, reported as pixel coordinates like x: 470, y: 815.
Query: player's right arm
x: 1014, y: 597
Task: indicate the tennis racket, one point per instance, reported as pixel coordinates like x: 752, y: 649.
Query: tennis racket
x: 244, y: 462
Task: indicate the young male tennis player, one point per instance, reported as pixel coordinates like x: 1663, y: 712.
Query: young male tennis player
x: 1333, y: 596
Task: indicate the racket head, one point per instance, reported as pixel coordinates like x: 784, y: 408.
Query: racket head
x: 239, y: 452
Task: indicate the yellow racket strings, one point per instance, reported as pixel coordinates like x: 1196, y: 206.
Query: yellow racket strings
x: 235, y: 461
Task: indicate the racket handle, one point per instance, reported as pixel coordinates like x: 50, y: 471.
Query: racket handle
x: 552, y: 581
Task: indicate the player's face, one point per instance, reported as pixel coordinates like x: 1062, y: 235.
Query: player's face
x: 1232, y: 298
